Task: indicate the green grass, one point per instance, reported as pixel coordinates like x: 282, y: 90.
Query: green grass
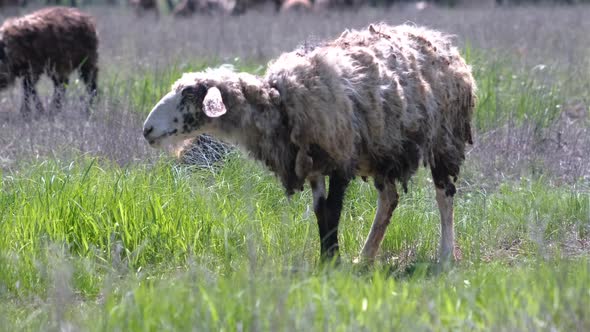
x: 539, y: 297
x: 98, y: 246
x: 91, y: 245
x: 514, y: 95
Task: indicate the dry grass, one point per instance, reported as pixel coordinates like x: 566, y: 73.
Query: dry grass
x: 547, y: 44
x: 112, y: 132
x: 561, y: 151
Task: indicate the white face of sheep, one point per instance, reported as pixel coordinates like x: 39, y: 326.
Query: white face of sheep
x: 183, y: 114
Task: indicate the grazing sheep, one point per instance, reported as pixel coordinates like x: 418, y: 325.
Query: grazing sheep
x: 9, y: 3
x: 55, y: 41
x: 188, y: 8
x: 320, y: 5
x: 143, y: 6
x: 373, y: 102
x: 185, y: 8
x: 58, y: 2
x: 297, y: 6
x: 242, y: 6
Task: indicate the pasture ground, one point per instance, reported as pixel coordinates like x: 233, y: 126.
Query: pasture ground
x: 101, y: 233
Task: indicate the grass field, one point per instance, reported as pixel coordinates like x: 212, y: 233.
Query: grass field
x: 101, y: 233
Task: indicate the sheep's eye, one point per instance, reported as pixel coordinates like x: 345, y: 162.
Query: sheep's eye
x: 198, y: 91
x: 189, y: 91
x: 202, y: 90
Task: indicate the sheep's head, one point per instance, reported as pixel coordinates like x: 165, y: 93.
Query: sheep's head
x: 188, y: 110
x: 6, y: 76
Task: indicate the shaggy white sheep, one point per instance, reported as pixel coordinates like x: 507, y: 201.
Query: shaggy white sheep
x: 373, y: 102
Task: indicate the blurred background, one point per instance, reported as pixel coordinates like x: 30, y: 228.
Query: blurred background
x: 531, y: 60
x: 184, y: 8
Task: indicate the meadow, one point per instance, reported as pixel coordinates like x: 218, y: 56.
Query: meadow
x: 101, y: 233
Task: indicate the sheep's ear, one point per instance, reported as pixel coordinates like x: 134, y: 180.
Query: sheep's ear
x: 213, y: 104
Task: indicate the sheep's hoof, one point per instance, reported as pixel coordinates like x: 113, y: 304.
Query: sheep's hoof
x: 362, y: 264
x: 26, y: 114
x: 363, y: 261
x: 53, y: 110
x: 443, y: 266
x: 451, y: 257
x: 447, y: 262
x: 331, y: 259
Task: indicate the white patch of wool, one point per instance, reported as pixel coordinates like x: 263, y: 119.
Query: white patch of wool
x: 221, y: 73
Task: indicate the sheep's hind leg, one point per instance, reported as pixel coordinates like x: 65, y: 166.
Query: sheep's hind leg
x: 89, y: 74
x: 59, y: 91
x: 447, y: 232
x: 327, y: 211
x: 386, y: 204
x: 445, y: 191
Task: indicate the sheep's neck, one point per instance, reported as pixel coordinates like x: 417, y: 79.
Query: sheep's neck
x: 262, y: 132
x: 239, y: 127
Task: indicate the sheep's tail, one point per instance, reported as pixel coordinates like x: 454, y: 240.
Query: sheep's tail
x: 472, y: 106
x: 467, y: 109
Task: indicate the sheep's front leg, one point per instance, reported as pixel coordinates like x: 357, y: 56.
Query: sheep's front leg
x: 328, y: 210
x: 386, y: 204
x: 30, y: 94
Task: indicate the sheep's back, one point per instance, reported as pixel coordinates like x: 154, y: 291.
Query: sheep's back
x: 380, y: 94
x: 435, y: 81
x: 430, y: 95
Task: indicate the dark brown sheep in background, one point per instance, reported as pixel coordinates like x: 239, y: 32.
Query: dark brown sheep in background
x: 55, y: 41
x: 185, y: 8
x: 11, y: 3
x: 376, y: 102
x: 72, y: 3
x: 142, y: 7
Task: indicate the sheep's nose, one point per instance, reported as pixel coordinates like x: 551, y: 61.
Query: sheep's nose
x: 147, y: 131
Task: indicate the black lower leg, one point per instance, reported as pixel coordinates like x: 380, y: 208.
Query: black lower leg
x: 30, y: 94
x: 59, y: 86
x: 89, y: 74
x: 25, y: 108
x: 441, y: 176
x: 330, y: 210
